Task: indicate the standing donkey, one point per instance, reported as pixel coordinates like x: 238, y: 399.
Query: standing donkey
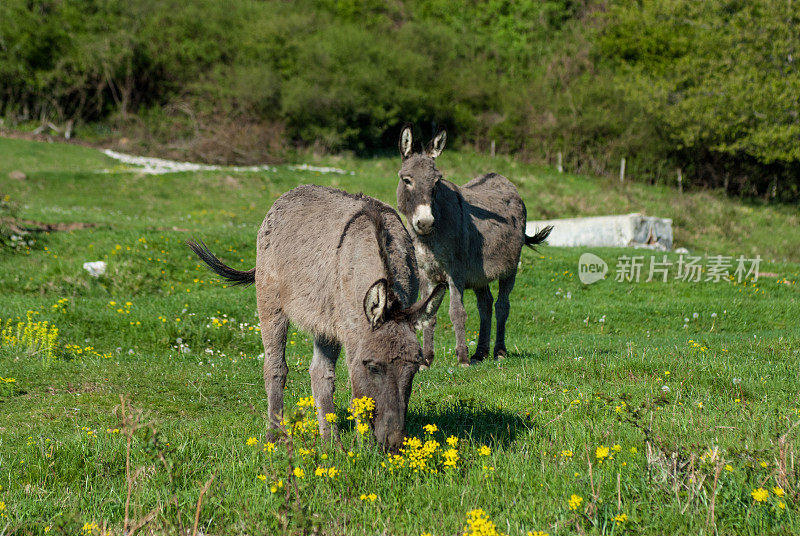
x: 342, y: 267
x: 467, y: 236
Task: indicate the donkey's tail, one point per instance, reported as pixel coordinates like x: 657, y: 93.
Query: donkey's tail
x: 538, y: 238
x: 237, y: 277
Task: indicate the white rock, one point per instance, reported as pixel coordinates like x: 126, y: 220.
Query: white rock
x: 627, y: 230
x: 96, y: 268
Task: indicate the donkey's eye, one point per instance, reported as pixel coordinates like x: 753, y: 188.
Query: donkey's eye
x: 406, y: 180
x: 373, y: 367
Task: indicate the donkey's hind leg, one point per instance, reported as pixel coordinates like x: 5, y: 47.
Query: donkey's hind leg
x: 458, y: 316
x: 484, y: 296
x: 323, y: 383
x: 274, y: 326
x: 502, y: 308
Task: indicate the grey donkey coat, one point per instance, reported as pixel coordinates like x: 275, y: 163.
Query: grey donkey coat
x: 466, y: 236
x: 341, y: 267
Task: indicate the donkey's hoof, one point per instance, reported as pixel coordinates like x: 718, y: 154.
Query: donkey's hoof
x: 500, y: 353
x: 479, y: 355
x: 473, y: 362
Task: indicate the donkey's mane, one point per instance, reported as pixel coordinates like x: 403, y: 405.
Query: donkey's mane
x: 373, y: 210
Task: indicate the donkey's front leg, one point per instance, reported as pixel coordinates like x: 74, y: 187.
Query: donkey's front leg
x: 484, y: 296
x: 429, y: 326
x: 323, y: 383
x: 458, y: 316
x: 274, y: 325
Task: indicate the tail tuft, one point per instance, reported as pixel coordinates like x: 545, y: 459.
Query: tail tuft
x: 237, y: 277
x: 538, y: 238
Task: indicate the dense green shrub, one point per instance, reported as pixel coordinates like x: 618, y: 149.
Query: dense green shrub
x: 708, y: 87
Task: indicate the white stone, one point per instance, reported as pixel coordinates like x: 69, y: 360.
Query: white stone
x: 626, y: 230
x: 96, y: 268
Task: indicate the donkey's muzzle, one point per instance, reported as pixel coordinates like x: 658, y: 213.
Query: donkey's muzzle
x: 422, y: 221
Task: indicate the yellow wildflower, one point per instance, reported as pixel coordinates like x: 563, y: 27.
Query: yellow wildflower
x: 452, y: 441
x: 760, y: 494
x: 778, y: 491
x: 298, y: 472
x: 450, y: 457
x: 262, y: 478
x: 621, y: 518
x: 575, y: 502
x: 330, y: 417
x: 566, y: 453
x: 484, y: 450
x: 781, y: 505
x: 269, y: 446
x: 729, y: 468
x: 305, y: 402
x: 430, y: 428
x: 89, y: 528
x: 251, y: 441
x: 479, y: 524
x: 371, y: 497
x: 601, y: 453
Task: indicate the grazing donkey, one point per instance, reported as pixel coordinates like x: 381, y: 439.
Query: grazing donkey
x: 342, y: 267
x: 467, y: 236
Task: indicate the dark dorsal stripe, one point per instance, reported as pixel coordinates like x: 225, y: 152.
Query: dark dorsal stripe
x: 373, y: 211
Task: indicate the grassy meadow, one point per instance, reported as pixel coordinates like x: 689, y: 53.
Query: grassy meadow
x: 623, y: 407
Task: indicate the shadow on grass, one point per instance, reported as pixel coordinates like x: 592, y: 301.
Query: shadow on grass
x: 467, y: 418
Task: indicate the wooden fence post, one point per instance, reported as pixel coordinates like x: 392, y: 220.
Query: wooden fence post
x: 622, y: 171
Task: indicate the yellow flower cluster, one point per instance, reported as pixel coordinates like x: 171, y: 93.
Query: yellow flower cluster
x: 36, y: 337
x: 90, y: 528
x: 361, y: 411
x: 575, y: 502
x: 61, y: 305
x: 621, y: 518
x: 450, y: 457
x: 123, y: 309
x: 479, y: 524
x: 416, y: 455
x: 78, y: 351
x: 760, y: 494
x: 330, y: 472
x: 371, y: 497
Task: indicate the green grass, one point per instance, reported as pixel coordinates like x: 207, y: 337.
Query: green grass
x: 572, y: 381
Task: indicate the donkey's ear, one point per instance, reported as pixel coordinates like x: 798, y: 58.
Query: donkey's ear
x: 436, y: 146
x: 424, y: 310
x: 375, y: 303
x: 406, y: 141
